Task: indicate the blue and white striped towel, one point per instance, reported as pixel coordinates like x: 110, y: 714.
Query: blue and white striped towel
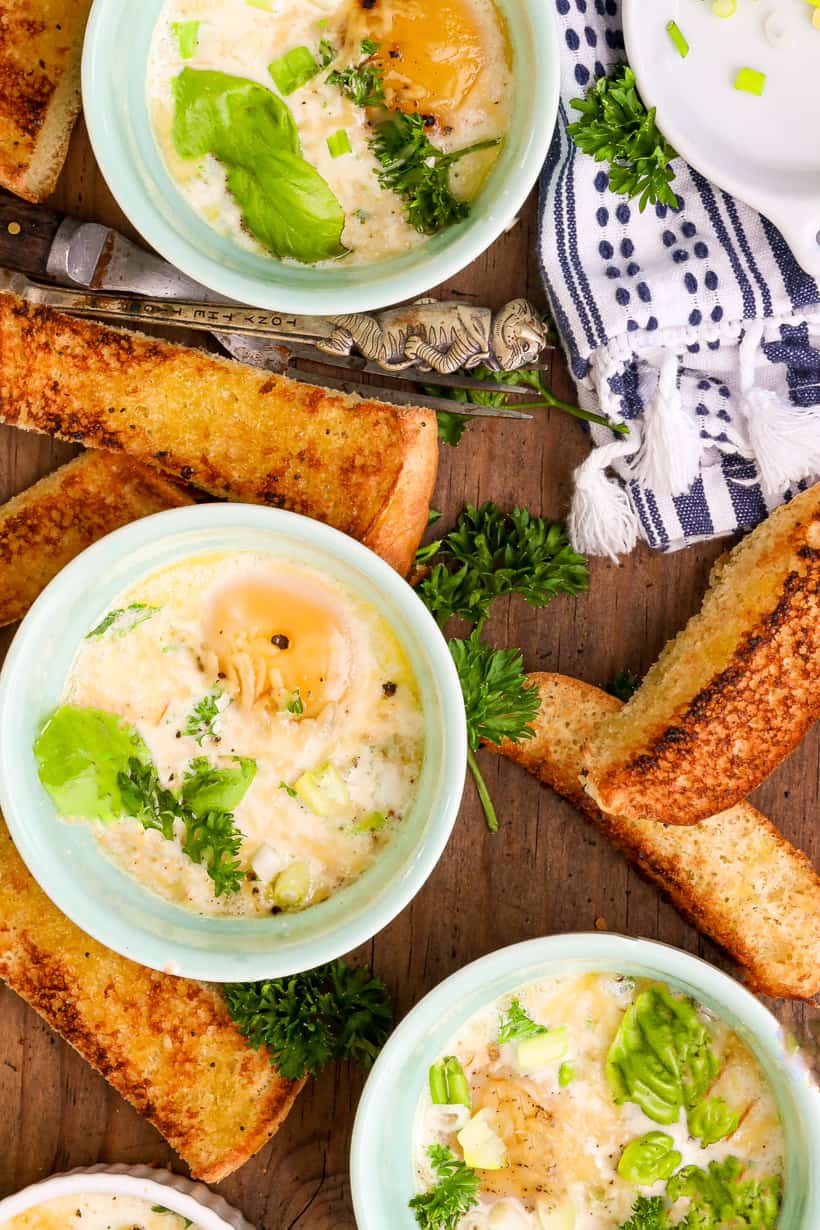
x: 694, y: 326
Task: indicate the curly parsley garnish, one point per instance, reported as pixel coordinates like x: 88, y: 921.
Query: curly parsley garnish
x: 623, y: 685
x: 362, y: 83
x: 455, y: 1193
x: 615, y: 127
x: 307, y: 1020
x: 517, y: 1024
x: 201, y: 721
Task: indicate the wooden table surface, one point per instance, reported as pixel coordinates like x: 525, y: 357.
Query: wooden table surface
x: 544, y: 872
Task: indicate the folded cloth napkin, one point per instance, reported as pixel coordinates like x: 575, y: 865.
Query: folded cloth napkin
x: 695, y: 326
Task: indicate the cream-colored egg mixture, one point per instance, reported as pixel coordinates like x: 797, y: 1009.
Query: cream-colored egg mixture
x: 100, y: 1211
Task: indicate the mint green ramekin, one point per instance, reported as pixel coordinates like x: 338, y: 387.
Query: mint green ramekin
x: 66, y: 860
x: 381, y: 1151
x: 115, y: 58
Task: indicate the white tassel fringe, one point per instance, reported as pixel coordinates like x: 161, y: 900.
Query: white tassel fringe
x: 669, y: 459
x: 602, y: 520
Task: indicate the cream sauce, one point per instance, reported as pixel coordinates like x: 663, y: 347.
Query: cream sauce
x: 100, y: 1211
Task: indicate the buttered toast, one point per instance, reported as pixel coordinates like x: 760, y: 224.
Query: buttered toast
x: 166, y: 1044
x: 237, y: 432
x: 734, y: 876
x: 733, y: 694
x: 45, y: 527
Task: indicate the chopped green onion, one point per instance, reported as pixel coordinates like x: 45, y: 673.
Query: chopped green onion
x: 293, y: 70
x: 339, y: 143
x: 373, y: 822
x: 566, y: 1074
x: 448, y: 1083
x: 265, y: 5
x: 674, y: 32
x: 724, y: 8
x: 187, y: 35
x: 750, y: 81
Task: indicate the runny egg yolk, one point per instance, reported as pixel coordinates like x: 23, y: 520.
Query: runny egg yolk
x: 432, y: 54
x: 278, y: 642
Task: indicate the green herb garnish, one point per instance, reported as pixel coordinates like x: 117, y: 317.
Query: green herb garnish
x: 208, y: 788
x: 120, y: 622
x: 307, y: 1020
x: 288, y: 790
x: 517, y: 1024
x: 160, y: 1208
x: 722, y: 1196
x: 416, y: 169
x: 491, y: 553
x: 455, y: 1193
x: 147, y: 800
x: 623, y: 685
x: 648, y: 1213
x: 362, y: 83
x: 200, y: 724
x: 327, y: 52
x: 451, y: 427
x: 213, y: 840
x: 296, y: 705
x: 498, y: 701
x: 615, y: 127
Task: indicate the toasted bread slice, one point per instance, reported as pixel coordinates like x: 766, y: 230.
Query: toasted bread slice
x: 237, y: 432
x: 733, y: 694
x: 45, y: 527
x: 166, y: 1044
x: 40, y: 46
x: 734, y: 876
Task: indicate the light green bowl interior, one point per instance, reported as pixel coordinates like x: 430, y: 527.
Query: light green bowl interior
x: 116, y: 109
x: 381, y: 1152
x: 65, y: 858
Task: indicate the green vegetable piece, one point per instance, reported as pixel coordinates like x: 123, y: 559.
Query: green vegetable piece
x: 648, y: 1213
x: 615, y: 127
x: 712, y: 1120
x: 649, y: 1159
x: 123, y: 621
x: 722, y: 1196
x: 623, y: 685
x: 206, y: 788
x: 327, y: 52
x: 293, y: 70
x: 533, y: 1054
x: 187, y: 35
x: 373, y: 822
x: 291, y: 887
x: 516, y: 1024
x: 455, y: 1193
x: 288, y: 790
x: 661, y: 1058
x: 323, y: 790
x: 296, y: 705
x: 750, y: 81
x: 81, y: 754
x: 338, y: 143
x: 201, y: 721
x: 724, y: 8
x: 362, y: 83
x: 285, y: 203
x: 448, y: 1083
x: 680, y: 43
x: 566, y: 1074
x: 306, y: 1020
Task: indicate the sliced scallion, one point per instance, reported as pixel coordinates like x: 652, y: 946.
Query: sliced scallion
x: 750, y: 81
x: 724, y: 8
x: 339, y: 143
x: 448, y: 1083
x: 293, y: 70
x: 681, y: 45
x: 187, y: 35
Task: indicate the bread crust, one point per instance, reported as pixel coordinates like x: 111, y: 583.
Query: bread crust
x: 166, y: 1044
x: 46, y: 526
x: 682, y: 761
x: 40, y: 48
x: 733, y: 876
x: 237, y: 432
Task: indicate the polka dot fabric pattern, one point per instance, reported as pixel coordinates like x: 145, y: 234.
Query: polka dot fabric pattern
x: 693, y: 326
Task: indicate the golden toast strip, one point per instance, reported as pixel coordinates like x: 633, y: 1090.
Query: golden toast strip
x: 166, y: 1044
x: 243, y: 434
x: 734, y: 876
x: 45, y: 527
x: 40, y: 45
x: 733, y: 694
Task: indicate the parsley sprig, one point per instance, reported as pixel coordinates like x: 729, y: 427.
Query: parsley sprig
x: 362, y: 83
x: 419, y: 172
x: 490, y: 554
x: 455, y: 1193
x: 648, y: 1213
x: 615, y: 127
x: 517, y: 1024
x: 202, y: 719
x: 306, y: 1020
x: 623, y: 685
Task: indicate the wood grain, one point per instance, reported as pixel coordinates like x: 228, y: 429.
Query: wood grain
x: 544, y: 872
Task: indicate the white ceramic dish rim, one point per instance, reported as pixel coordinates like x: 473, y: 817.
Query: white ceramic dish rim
x: 347, y: 919
x: 799, y: 223
x: 190, y: 1200
x: 426, y: 1030
x: 375, y: 286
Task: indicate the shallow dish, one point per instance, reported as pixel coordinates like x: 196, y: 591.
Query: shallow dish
x: 192, y: 1201
x: 115, y: 908
x: 117, y: 114
x: 382, y: 1169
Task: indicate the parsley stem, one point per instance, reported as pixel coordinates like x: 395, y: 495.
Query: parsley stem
x: 483, y: 793
x: 575, y: 411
